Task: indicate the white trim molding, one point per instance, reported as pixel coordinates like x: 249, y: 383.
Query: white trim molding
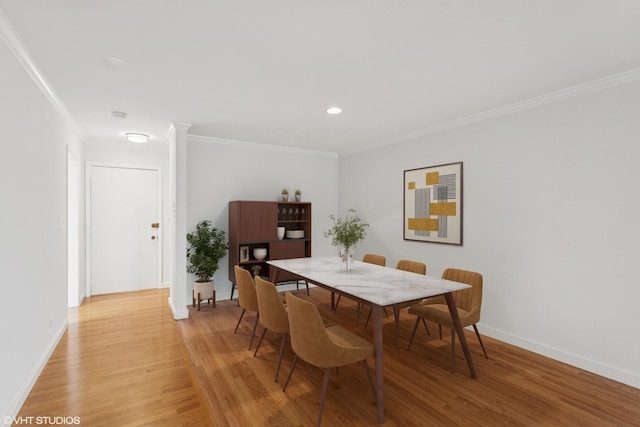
x: 15, y: 45
x: 256, y: 145
x: 548, y: 98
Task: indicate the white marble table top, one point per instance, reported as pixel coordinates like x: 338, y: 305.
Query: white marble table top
x: 378, y: 285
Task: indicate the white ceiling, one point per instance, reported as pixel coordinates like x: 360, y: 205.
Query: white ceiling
x: 265, y: 71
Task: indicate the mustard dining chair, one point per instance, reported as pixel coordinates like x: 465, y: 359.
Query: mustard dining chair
x: 375, y: 259
x: 412, y: 267
x: 371, y: 259
x: 247, y: 297
x: 273, y: 315
x: 468, y: 304
x: 323, y: 347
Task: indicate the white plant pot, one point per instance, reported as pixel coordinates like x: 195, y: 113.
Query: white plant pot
x: 203, y: 291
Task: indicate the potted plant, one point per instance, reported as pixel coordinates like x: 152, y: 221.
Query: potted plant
x: 346, y: 233
x: 207, y: 246
x: 298, y: 195
x: 285, y: 195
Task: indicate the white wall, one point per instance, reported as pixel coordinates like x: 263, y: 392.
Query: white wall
x: 130, y: 154
x: 550, y: 219
x: 33, y: 247
x: 220, y: 171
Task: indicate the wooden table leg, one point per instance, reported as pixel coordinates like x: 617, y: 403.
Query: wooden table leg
x: 377, y: 351
x: 451, y: 303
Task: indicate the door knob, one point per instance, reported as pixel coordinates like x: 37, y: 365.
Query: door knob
x: 155, y: 225
x: 153, y: 237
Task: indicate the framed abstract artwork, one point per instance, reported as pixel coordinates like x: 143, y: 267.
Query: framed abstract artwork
x: 433, y: 204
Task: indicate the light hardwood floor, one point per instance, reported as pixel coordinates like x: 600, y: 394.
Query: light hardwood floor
x: 122, y: 363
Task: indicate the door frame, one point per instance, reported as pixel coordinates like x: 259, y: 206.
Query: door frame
x: 89, y: 168
x: 75, y: 295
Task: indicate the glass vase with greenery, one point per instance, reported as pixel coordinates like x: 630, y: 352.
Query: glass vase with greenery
x: 346, y: 233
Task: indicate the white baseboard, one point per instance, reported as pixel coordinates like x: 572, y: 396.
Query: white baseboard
x: 178, y: 314
x: 606, y: 371
x: 35, y: 374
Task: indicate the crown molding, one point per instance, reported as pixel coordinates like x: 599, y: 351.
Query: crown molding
x: 15, y: 45
x: 256, y: 145
x: 548, y: 98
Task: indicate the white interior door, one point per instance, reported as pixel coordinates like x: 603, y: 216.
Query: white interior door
x: 124, y: 246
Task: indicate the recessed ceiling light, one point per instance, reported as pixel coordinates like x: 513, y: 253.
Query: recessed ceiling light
x: 137, y: 137
x: 334, y: 110
x: 114, y: 62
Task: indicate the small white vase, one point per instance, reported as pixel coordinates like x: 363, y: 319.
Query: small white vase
x: 281, y: 233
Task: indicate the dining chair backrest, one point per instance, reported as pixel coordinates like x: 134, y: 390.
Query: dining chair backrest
x: 412, y: 266
x: 247, y: 297
x: 273, y: 314
x: 469, y: 299
x: 309, y: 339
x: 375, y: 259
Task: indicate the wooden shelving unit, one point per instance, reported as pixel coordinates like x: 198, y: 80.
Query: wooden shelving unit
x: 254, y: 224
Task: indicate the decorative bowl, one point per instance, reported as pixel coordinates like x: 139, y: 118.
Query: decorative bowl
x: 260, y: 253
x: 295, y: 234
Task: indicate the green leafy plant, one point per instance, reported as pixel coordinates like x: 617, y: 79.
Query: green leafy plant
x: 207, y: 246
x: 298, y: 192
x: 285, y: 191
x: 348, y: 231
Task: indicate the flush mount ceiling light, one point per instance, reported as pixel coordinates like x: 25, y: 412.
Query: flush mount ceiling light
x: 334, y: 110
x: 119, y: 114
x: 137, y: 137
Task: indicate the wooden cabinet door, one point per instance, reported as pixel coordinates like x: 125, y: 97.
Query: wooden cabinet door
x: 257, y: 222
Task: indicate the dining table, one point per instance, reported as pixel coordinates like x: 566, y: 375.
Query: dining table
x: 378, y: 287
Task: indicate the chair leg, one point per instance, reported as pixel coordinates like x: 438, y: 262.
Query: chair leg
x: 369, y: 377
x: 480, y: 341
x: 335, y: 307
x: 264, y: 331
x: 239, y: 320
x: 284, y: 340
x: 453, y: 350
x: 253, y: 332
x: 369, y: 316
x: 233, y: 287
x: 325, y: 386
x: 396, y: 314
x: 413, y: 334
x: 293, y: 367
x: 298, y: 285
x: 425, y: 326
